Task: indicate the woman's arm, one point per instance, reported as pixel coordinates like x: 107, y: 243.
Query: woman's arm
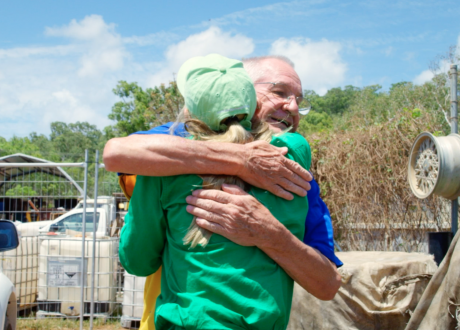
x: 143, y: 236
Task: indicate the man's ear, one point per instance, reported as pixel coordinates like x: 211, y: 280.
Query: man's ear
x: 257, y: 106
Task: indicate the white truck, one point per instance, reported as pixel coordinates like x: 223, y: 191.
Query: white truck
x: 72, y: 221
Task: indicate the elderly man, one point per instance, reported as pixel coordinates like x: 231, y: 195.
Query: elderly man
x: 233, y: 213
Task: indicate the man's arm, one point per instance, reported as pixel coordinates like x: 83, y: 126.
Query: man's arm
x: 258, y: 163
x: 319, y: 233
x: 241, y: 218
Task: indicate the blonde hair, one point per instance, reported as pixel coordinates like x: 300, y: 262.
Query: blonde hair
x: 235, y: 133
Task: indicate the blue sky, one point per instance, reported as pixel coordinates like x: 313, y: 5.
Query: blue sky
x: 59, y: 61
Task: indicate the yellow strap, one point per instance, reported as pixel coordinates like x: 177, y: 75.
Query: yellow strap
x: 152, y: 290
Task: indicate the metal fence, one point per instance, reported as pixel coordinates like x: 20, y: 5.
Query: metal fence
x: 69, y: 216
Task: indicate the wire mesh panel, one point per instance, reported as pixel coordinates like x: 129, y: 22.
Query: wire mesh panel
x: 38, y: 194
x: 133, y: 300
x: 60, y: 272
x: 21, y: 267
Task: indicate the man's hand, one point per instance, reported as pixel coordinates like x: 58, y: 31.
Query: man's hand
x: 266, y: 167
x: 234, y: 214
x: 239, y: 217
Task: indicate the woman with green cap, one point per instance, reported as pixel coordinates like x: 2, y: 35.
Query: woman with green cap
x: 209, y: 282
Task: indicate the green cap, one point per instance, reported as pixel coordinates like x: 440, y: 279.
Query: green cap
x: 215, y: 88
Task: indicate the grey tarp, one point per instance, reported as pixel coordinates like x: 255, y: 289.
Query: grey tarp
x: 379, y: 291
x: 439, y: 307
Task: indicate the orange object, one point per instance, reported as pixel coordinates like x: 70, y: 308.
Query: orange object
x: 127, y: 183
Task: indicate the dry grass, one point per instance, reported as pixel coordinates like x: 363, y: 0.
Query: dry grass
x: 66, y: 324
x: 363, y: 178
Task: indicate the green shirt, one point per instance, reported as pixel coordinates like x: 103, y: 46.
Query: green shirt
x: 221, y: 286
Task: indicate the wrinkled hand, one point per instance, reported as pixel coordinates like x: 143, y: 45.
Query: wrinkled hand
x: 267, y: 168
x: 234, y: 214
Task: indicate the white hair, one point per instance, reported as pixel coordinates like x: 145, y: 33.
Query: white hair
x: 255, y: 68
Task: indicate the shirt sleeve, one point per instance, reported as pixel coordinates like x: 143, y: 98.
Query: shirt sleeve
x: 143, y: 236
x: 318, y: 225
x: 177, y: 130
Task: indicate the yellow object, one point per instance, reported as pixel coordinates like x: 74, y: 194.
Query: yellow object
x: 29, y: 216
x: 127, y: 183
x: 152, y: 288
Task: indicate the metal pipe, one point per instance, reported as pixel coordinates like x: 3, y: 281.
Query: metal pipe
x: 453, y: 99
x: 93, y: 265
x: 454, y: 129
x: 42, y: 164
x: 83, y: 234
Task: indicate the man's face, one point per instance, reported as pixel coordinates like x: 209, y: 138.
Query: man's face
x: 278, y: 113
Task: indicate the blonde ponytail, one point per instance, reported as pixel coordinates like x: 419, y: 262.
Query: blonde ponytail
x: 234, y: 134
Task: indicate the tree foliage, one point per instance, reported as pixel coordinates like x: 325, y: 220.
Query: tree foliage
x: 71, y: 140
x: 315, y: 122
x: 335, y: 102
x: 140, y: 110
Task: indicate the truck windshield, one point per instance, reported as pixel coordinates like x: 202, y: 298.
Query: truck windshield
x: 75, y: 221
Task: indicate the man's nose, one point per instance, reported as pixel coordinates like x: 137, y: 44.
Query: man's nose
x: 292, y: 107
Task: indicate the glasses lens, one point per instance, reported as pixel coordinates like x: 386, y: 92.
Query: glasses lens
x: 304, y: 107
x: 304, y: 111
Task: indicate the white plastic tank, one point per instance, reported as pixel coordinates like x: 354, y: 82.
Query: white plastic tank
x: 60, y: 271
x: 133, y: 296
x: 21, y: 267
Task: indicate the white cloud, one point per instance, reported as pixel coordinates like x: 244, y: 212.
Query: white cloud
x: 35, y: 51
x: 318, y: 63
x: 73, y: 81
x: 151, y: 39
x: 443, y: 66
x: 427, y: 75
x: 423, y: 77
x: 65, y: 97
x: 409, y: 56
x: 91, y: 28
x: 69, y: 82
x: 103, y: 48
x: 212, y: 40
x: 389, y: 50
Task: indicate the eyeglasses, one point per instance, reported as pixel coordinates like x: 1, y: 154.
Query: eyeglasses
x: 282, y: 93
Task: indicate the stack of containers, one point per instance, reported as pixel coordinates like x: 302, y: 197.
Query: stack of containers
x: 133, y: 300
x: 60, y: 271
x: 21, y: 267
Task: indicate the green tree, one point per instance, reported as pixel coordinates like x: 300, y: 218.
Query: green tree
x: 140, y: 109
x: 335, y: 102
x: 315, y: 122
x: 19, y: 190
x: 129, y: 113
x: 19, y: 145
x: 165, y: 105
x: 71, y: 140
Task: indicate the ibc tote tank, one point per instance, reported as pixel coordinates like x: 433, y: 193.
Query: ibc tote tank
x: 21, y: 267
x: 59, y: 281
